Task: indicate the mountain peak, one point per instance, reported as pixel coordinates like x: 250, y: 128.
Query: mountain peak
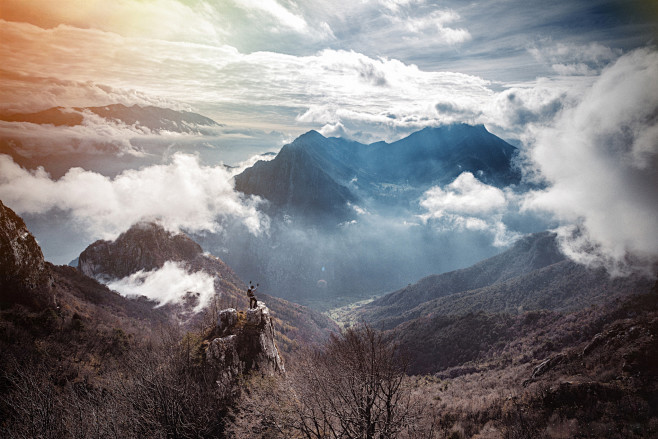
x: 309, y: 135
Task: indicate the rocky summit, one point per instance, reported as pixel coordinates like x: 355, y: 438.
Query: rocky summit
x: 244, y: 341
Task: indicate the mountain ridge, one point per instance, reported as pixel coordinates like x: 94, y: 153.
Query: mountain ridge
x: 532, y: 275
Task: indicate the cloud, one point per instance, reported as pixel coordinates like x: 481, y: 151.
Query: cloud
x: 433, y: 25
x: 516, y: 108
x: 284, y: 17
x: 263, y: 90
x: 469, y: 204
x: 172, y: 283
x: 181, y: 195
x: 465, y: 195
x: 600, y: 158
x: 575, y: 59
x: 22, y: 93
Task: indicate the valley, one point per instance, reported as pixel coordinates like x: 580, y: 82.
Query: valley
x: 328, y: 219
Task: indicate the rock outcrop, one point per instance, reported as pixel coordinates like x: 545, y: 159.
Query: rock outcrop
x: 24, y: 276
x: 244, y: 342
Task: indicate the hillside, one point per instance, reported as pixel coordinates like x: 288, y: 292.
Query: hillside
x: 591, y: 373
x: 531, y: 275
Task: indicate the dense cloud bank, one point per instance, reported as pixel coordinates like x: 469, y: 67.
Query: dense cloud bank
x: 182, y: 194
x: 600, y: 158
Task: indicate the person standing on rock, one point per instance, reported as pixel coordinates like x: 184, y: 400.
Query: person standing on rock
x: 252, y: 297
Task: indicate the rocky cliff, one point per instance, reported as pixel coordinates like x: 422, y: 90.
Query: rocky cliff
x: 24, y: 277
x: 244, y: 341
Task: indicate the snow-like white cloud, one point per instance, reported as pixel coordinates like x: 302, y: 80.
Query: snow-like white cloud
x: 469, y: 204
x: 600, y: 159
x: 465, y: 195
x: 172, y: 283
x: 181, y: 195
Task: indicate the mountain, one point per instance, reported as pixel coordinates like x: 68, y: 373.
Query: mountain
x: 86, y: 360
x: 153, y: 118
x: 436, y: 156
x: 27, y: 279
x: 299, y: 179
x: 24, y: 276
x: 532, y: 275
x: 148, y: 246
x: 319, y: 176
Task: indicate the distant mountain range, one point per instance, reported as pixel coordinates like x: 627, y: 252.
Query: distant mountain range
x: 320, y: 176
x: 153, y: 118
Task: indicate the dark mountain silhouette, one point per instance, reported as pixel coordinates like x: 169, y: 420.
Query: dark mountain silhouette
x: 531, y: 275
x: 153, y: 118
x: 318, y: 176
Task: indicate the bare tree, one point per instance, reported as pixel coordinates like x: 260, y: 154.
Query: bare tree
x: 353, y: 388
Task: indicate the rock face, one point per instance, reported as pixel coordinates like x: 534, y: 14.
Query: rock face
x: 24, y: 277
x: 244, y: 342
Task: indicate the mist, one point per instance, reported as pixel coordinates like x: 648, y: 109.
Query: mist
x: 384, y: 248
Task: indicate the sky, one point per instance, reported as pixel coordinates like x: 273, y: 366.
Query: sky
x: 572, y: 83
x: 367, y: 69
